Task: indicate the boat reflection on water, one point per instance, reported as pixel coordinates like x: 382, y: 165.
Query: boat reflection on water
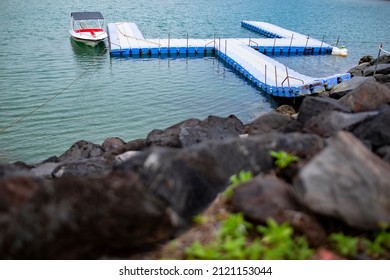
x: 81, y: 49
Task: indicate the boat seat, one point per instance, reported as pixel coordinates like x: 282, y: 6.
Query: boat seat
x: 83, y: 24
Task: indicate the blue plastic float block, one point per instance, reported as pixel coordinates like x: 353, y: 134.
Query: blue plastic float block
x: 183, y: 50
x: 125, y: 51
x: 334, y: 80
x: 154, y: 51
x: 134, y: 51
x: 201, y: 49
x: 163, y: 50
x: 116, y: 52
x: 285, y: 92
x: 292, y: 50
x: 191, y: 50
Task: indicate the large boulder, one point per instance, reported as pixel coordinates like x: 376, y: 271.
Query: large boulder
x: 191, y: 178
x: 14, y: 170
x: 367, y: 65
x: 96, y: 167
x: 112, y: 143
x: 383, y: 69
x: 133, y: 145
x: 348, y: 182
x: 82, y: 150
x: 328, y: 123
x: 269, y: 197
x: 359, y: 69
x: 269, y: 122
x: 194, y: 131
x: 263, y: 198
x: 345, y: 87
x: 370, y: 95
x: 313, y: 106
x: 77, y: 218
x: 375, y: 131
x: 383, y: 79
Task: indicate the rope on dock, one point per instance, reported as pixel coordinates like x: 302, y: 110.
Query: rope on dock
x: 132, y: 37
x: 13, y: 123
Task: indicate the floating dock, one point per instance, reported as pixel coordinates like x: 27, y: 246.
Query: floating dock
x: 247, y: 55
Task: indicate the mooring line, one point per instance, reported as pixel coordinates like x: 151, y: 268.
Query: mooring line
x: 11, y: 124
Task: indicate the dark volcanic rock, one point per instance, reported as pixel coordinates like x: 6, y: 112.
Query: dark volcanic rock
x: 82, y: 150
x: 269, y: 122
x: 365, y: 59
x: 367, y: 66
x: 194, y: 131
x: 328, y: 123
x: 168, y: 137
x: 348, y: 182
x: 97, y: 166
x: 270, y: 197
x: 383, y: 79
x: 191, y: 178
x: 112, y: 143
x: 384, y: 153
x: 377, y: 69
x: 343, y: 88
x: 13, y: 170
x: 370, y: 95
x: 375, y: 131
x: 359, y: 69
x: 263, y: 198
x: 80, y: 218
x: 313, y: 106
x: 134, y: 145
x: 286, y: 110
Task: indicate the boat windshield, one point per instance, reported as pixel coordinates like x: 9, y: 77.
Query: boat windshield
x: 85, y: 20
x: 85, y: 24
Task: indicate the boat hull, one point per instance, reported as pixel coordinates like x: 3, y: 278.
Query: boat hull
x: 89, y: 37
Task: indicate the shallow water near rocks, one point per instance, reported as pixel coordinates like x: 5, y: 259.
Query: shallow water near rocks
x: 89, y: 95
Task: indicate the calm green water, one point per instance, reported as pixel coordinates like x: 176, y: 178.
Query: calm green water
x: 99, y: 96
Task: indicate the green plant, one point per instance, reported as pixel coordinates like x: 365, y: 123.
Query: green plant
x: 379, y: 245
x: 344, y: 245
x: 200, y: 219
x: 283, y: 159
x: 230, y: 241
x: 238, y: 239
x: 236, y: 180
x: 376, y: 246
x: 282, y: 243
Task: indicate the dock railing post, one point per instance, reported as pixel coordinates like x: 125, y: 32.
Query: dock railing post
x: 276, y: 78
x: 187, y: 44
x: 289, y: 48
x: 379, y: 54
x: 337, y: 42
x: 169, y: 43
x: 308, y: 36
x: 322, y: 42
x: 288, y: 78
x: 273, y: 48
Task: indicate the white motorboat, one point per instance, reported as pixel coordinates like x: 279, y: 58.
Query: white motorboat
x: 88, y: 27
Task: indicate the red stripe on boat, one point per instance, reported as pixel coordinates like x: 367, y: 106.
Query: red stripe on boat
x: 90, y: 30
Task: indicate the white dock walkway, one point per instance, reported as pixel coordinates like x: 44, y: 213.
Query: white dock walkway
x: 246, y: 55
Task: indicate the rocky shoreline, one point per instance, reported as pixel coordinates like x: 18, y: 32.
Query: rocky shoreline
x: 121, y: 199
